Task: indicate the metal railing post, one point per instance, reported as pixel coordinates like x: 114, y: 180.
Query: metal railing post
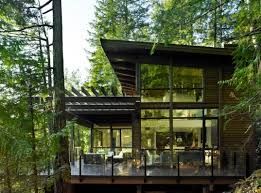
x: 145, y: 165
x: 178, y: 165
x: 80, y: 166
x: 112, y: 166
x: 234, y: 160
x: 212, y: 162
x: 247, y: 164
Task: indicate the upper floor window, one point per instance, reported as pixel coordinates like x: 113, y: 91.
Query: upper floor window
x: 154, y: 83
x: 187, y: 84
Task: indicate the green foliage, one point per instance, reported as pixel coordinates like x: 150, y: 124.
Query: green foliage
x: 123, y: 20
x: 25, y: 143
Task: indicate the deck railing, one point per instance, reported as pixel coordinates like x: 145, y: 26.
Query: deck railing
x: 177, y: 163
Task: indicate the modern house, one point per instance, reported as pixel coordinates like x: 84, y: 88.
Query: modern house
x: 168, y: 129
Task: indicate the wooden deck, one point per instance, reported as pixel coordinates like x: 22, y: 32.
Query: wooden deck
x: 197, y: 180
x: 124, y: 174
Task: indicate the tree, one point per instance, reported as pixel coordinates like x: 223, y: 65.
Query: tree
x: 61, y: 165
x: 124, y: 20
x: 22, y: 76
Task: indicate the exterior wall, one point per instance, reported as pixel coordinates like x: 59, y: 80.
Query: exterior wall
x: 211, y: 78
x: 236, y: 134
x: 233, y: 135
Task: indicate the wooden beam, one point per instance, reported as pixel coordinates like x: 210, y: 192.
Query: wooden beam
x: 71, y: 116
x: 103, y: 91
x: 101, y: 99
x: 123, y: 66
x: 124, y: 74
x: 71, y: 107
x: 84, y: 91
x: 76, y: 91
x: 68, y: 93
x: 127, y: 84
x: 124, y: 80
x: 94, y: 91
x: 113, y: 92
x: 124, y: 71
x: 102, y: 112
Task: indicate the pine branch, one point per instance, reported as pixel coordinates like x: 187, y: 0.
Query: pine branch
x: 25, y: 28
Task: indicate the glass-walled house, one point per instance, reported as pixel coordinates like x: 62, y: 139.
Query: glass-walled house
x: 169, y: 121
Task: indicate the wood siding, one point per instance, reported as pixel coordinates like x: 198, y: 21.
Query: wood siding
x: 235, y: 132
x: 211, y: 78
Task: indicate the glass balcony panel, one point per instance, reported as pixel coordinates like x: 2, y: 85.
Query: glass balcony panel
x: 190, y: 162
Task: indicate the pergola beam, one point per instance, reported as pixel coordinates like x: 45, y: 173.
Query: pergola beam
x: 84, y: 91
x: 76, y: 92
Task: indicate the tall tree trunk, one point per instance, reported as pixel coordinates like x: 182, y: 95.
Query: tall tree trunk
x: 34, y: 159
x: 61, y: 165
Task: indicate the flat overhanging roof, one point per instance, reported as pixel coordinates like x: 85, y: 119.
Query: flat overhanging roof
x: 124, y: 55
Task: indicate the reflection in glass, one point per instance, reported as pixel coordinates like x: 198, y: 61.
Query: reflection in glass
x: 211, y: 133
x: 126, y: 138
x: 187, y: 84
x: 116, y: 140
x: 155, y: 113
x: 211, y: 112
x: 187, y: 133
x: 154, y: 76
x: 188, y: 95
x: 155, y: 95
x: 101, y: 138
x: 186, y: 77
x: 155, y: 133
x: 187, y: 113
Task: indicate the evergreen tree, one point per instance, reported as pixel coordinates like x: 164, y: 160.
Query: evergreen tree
x: 122, y: 20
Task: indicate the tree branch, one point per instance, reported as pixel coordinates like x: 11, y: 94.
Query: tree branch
x: 41, y: 6
x: 45, y: 4
x: 252, y: 33
x: 25, y: 28
x: 47, y: 11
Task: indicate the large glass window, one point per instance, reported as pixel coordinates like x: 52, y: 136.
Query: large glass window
x: 126, y: 137
x: 155, y: 113
x: 212, y: 133
x: 154, y: 83
x: 187, y: 84
x: 155, y: 134
x: 187, y: 133
x: 101, y: 138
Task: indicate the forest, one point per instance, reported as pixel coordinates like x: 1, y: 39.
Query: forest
x: 34, y: 136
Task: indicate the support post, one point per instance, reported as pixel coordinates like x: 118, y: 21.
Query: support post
x: 178, y: 166
x: 112, y: 166
x: 212, y: 160
x: 80, y: 166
